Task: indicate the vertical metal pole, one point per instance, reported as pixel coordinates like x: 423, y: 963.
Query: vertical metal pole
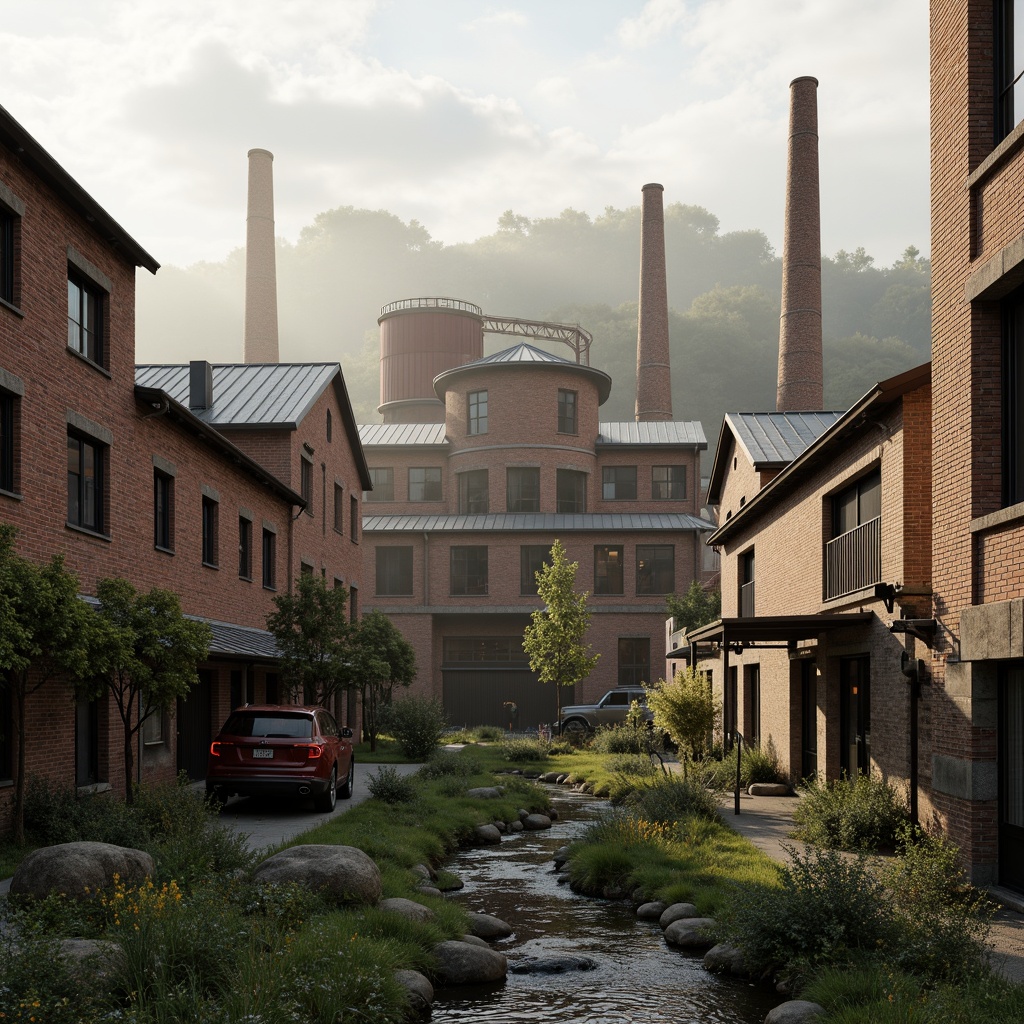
x: 739, y: 763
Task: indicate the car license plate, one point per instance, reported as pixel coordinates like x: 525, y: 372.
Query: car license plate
x: 262, y: 752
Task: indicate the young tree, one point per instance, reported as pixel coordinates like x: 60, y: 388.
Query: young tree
x: 44, y: 633
x: 381, y: 659
x: 315, y: 639
x: 554, y: 639
x: 144, y: 653
x: 686, y: 710
x: 697, y: 607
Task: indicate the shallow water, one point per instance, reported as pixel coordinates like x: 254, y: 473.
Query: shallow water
x: 638, y: 979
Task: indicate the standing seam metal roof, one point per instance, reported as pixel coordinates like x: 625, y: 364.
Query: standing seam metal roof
x: 773, y: 438
x: 679, y: 432
x: 402, y: 433
x: 546, y: 521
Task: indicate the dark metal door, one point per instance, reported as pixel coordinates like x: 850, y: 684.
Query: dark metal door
x: 194, y: 732
x: 855, y: 715
x: 808, y: 720
x: 1011, y: 778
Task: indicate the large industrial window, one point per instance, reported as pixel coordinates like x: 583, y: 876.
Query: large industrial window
x: 394, y: 571
x: 85, y: 318
x: 522, y: 490
x: 477, y: 401
x: 567, y: 419
x: 618, y: 483
x: 473, y: 492
x: 469, y: 570
x: 163, y: 496
x: 1009, y: 65
x: 655, y: 569
x: 85, y: 482
x: 571, y: 491
x: 1013, y: 400
x: 634, y: 660
x: 382, y: 479
x: 425, y: 484
x: 531, y: 560
x: 668, y: 483
x: 607, y: 569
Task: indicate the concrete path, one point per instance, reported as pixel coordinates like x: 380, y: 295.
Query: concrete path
x: 768, y: 823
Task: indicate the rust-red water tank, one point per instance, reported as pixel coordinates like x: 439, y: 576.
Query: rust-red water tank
x: 420, y: 338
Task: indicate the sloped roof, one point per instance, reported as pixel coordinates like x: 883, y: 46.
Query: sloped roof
x: 523, y: 353
x: 400, y: 434
x: 540, y: 521
x: 649, y: 432
x: 248, y: 394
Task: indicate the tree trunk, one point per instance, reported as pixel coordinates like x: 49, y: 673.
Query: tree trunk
x: 129, y: 763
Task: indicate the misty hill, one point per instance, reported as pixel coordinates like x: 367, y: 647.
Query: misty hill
x: 723, y: 294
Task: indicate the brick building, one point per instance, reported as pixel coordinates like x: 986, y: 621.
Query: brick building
x: 152, y: 481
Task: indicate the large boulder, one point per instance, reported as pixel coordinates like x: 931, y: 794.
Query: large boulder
x: 486, y: 926
x: 725, y: 959
x: 677, y: 912
x: 486, y: 792
x: 486, y: 834
x: 536, y: 822
x: 409, y: 909
x: 459, y: 963
x: 554, y: 964
x: 651, y: 911
x: 342, y: 873
x: 691, y: 933
x: 419, y: 991
x: 73, y: 868
x: 796, y: 1011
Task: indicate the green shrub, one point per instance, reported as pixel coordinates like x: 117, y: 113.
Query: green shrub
x: 520, y: 751
x: 865, y: 813
x: 444, y: 763
x: 669, y: 798
x: 632, y: 765
x: 758, y: 764
x: 487, y: 733
x: 417, y: 723
x: 619, y: 740
x: 761, y: 764
x: 55, y: 814
x: 389, y: 787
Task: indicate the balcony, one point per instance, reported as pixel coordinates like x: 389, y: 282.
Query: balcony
x: 747, y: 600
x: 853, y: 560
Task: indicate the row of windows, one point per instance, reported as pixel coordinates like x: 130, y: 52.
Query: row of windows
x: 522, y: 487
x: 567, y: 415
x: 468, y: 569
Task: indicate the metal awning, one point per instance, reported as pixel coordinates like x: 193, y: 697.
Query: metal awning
x: 768, y: 628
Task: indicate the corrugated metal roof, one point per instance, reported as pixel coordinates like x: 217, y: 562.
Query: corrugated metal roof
x: 539, y: 521
x: 522, y: 353
x: 777, y: 438
x: 248, y: 394
x: 688, y: 432
x: 401, y: 434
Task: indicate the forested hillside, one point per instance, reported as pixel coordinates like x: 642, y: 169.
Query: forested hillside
x: 723, y: 293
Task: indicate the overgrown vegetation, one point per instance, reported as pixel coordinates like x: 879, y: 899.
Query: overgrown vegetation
x: 417, y: 723
x: 686, y: 709
x: 864, y: 813
x: 757, y: 764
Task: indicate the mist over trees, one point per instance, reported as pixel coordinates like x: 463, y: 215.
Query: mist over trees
x: 723, y: 289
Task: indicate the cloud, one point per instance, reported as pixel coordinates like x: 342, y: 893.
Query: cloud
x: 656, y: 19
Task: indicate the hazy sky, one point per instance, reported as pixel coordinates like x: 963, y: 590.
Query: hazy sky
x: 452, y: 111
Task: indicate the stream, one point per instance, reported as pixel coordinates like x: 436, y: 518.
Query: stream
x: 638, y: 979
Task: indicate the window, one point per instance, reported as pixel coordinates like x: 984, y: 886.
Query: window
x: 1009, y: 66
x: 8, y: 407
x: 752, y: 705
x: 607, y: 570
x: 747, y: 584
x: 531, y: 559
x: 570, y: 491
x: 306, y: 484
x: 853, y: 558
x: 305, y: 569
x: 210, y: 538
x: 353, y: 518
x: 477, y: 412
x: 244, y: 548
x: 382, y: 480
x: 567, y: 421
x: 87, y: 742
x: 269, y: 559
x: 6, y: 732
x: 339, y: 508
x: 469, y: 570
x: 153, y: 729
x: 522, y: 489
x: 394, y: 571
x: 618, y: 483
x: 85, y: 318
x: 655, y: 569
x: 634, y: 660
x: 330, y: 426
x: 7, y: 220
x: 353, y: 603
x: 473, y: 498
x: 1013, y: 398
x: 425, y: 484
x: 163, y: 490
x: 500, y: 651
x: 85, y: 482
x: 668, y: 483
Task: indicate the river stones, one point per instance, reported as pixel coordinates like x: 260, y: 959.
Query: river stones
x: 418, y: 989
x: 536, y: 822
x: 486, y: 834
x: 343, y: 873
x: 486, y: 792
x: 409, y: 909
x: 553, y: 964
x: 725, y: 959
x: 71, y: 868
x: 768, y: 789
x: 475, y: 940
x: 691, y: 933
x: 651, y: 911
x: 796, y: 1011
x: 486, y: 926
x: 676, y: 912
x: 459, y: 963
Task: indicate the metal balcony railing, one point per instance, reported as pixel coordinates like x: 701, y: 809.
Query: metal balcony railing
x: 747, y: 600
x: 854, y: 559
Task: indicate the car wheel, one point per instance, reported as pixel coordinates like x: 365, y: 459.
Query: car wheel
x: 329, y: 798
x: 575, y: 730
x: 349, y: 784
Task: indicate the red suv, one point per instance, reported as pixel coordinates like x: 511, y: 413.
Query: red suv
x: 282, y: 750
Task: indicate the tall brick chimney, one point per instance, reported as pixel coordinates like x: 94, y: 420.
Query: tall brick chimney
x: 653, y: 377
x: 260, y: 344
x: 800, y: 359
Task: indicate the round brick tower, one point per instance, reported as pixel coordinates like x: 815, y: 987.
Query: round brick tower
x: 800, y: 360
x: 653, y: 377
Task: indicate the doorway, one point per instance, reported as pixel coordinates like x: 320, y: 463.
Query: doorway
x: 855, y: 716
x: 1011, y: 777
x: 808, y: 719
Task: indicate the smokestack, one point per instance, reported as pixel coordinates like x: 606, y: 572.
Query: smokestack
x: 653, y: 377
x: 800, y: 361
x: 260, y: 345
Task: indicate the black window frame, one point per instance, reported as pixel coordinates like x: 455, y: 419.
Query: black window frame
x: 468, y: 570
x: 8, y: 451
x: 339, y: 507
x: 1013, y: 400
x: 522, y: 489
x: 6, y: 734
x: 393, y: 570
x: 353, y: 519
x: 210, y: 532
x: 95, y: 351
x: 609, y: 570
x: 471, y: 501
x: 382, y: 481
x: 163, y: 511
x: 476, y: 412
x: 576, y: 481
x: 568, y: 412
x: 620, y: 479
x: 428, y: 485
x: 865, y: 505
x: 306, y: 483
x: 81, y: 442
x: 269, y: 555
x: 531, y: 558
x: 1007, y: 85
x: 631, y: 667
x: 7, y: 254
x: 244, y: 548
x: 655, y: 568
x: 668, y: 489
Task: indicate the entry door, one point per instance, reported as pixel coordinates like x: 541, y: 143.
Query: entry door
x: 808, y: 720
x: 1011, y: 778
x: 729, y: 708
x: 194, y: 727
x: 855, y: 715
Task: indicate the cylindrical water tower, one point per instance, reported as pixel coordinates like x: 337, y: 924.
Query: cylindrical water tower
x: 420, y: 338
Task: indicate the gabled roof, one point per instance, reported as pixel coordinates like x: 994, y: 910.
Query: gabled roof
x: 770, y: 440
x: 527, y: 521
x: 402, y: 434
x: 523, y: 354
x: 653, y: 432
x: 38, y: 160
x: 823, y: 448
